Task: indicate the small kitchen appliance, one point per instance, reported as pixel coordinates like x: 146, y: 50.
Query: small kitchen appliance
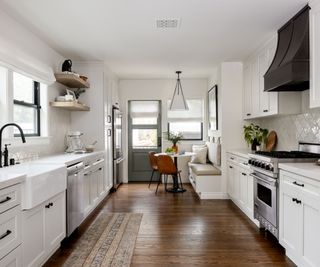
x: 265, y: 167
x: 74, y: 142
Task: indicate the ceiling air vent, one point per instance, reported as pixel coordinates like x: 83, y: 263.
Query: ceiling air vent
x: 167, y: 23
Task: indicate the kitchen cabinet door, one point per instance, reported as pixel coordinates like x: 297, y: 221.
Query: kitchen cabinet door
x: 33, y: 236
x: 93, y: 188
x: 250, y: 200
x: 100, y: 177
x: 290, y: 220
x: 263, y: 59
x: 55, y: 221
x: 86, y: 193
x: 230, y: 179
x: 255, y: 87
x: 236, y: 184
x: 310, y: 230
x: 314, y: 56
x: 247, y: 97
x: 243, y: 194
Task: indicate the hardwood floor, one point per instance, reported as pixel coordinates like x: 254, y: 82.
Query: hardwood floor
x: 181, y: 230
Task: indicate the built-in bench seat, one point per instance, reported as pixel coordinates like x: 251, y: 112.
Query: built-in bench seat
x: 206, y: 178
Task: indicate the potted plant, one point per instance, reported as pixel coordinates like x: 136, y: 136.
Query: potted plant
x: 174, y: 138
x: 254, y: 135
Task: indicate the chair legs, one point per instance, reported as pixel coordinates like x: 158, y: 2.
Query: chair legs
x: 151, y: 178
x: 180, y: 180
x: 158, y: 183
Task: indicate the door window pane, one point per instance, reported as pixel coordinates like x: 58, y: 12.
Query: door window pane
x: 144, y: 138
x: 26, y: 118
x: 23, y: 88
x: 144, y: 112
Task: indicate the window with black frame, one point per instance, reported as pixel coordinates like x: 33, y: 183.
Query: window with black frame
x: 187, y: 122
x: 26, y: 108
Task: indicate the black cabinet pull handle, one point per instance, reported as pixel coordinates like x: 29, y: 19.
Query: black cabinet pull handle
x: 5, y: 200
x: 51, y: 204
x: 100, y: 169
x: 244, y: 174
x: 232, y: 158
x: 295, y: 183
x: 230, y: 167
x: 5, y: 234
x: 265, y: 110
x: 248, y: 114
x: 48, y: 206
x: 294, y: 199
x: 298, y: 201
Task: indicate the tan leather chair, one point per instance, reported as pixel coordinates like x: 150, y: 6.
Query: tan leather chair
x: 153, y: 163
x: 166, y: 167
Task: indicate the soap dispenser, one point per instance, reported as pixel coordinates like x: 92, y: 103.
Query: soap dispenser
x: 6, y: 155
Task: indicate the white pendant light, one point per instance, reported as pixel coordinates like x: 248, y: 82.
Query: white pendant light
x: 178, y: 101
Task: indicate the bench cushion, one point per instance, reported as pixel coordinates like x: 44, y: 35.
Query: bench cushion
x: 204, y: 169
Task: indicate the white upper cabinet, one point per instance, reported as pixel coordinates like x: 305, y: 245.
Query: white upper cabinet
x: 258, y: 103
x: 314, y: 55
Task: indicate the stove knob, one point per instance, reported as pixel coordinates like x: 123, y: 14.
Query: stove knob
x: 272, y: 169
x: 263, y: 165
x: 259, y: 164
x: 256, y: 163
x: 250, y: 161
x: 268, y: 167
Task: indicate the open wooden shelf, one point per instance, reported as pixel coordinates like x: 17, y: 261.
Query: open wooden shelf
x: 75, y: 106
x: 71, y: 80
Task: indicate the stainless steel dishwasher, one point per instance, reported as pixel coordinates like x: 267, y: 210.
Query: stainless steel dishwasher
x: 75, y: 183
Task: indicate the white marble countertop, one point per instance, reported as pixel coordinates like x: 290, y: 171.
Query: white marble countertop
x: 309, y: 170
x: 17, y: 174
x: 240, y: 152
x: 68, y: 158
x: 8, y: 179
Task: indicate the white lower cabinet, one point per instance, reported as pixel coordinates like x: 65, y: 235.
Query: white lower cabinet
x: 300, y: 218
x: 240, y: 184
x: 44, y: 227
x: 14, y: 259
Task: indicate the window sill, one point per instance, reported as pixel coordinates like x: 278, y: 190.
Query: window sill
x: 30, y: 141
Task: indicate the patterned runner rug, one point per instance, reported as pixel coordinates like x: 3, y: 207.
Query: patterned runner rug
x: 109, y: 241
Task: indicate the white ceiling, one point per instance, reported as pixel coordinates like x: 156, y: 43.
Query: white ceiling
x: 123, y: 32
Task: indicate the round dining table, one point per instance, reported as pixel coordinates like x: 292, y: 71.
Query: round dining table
x: 176, y: 188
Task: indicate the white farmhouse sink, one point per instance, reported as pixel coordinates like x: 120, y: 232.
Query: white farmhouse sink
x: 42, y: 182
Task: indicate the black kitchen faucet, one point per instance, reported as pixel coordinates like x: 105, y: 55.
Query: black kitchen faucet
x: 1, y: 130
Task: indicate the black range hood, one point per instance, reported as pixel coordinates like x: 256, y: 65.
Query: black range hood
x: 289, y: 70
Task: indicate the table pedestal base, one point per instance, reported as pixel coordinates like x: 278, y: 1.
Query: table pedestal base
x: 176, y: 190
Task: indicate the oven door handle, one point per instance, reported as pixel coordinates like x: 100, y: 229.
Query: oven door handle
x: 265, y: 181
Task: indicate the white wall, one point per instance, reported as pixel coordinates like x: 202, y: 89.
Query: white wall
x: 229, y: 77
x: 22, y: 51
x: 161, y: 89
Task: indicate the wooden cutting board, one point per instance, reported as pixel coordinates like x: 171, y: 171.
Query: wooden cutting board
x: 271, y: 141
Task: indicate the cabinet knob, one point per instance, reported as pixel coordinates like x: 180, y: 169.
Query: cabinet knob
x: 265, y: 110
x: 248, y: 114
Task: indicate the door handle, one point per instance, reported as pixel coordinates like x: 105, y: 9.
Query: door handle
x: 5, y: 200
x: 159, y: 141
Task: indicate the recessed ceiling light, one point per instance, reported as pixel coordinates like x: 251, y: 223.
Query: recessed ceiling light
x: 167, y: 23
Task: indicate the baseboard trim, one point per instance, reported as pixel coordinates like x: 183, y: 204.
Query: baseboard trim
x: 213, y: 195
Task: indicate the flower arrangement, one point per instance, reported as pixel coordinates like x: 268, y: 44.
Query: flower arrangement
x: 174, y: 138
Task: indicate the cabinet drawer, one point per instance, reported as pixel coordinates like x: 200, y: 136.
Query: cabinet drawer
x: 232, y: 158
x: 10, y: 197
x: 301, y: 184
x: 10, y: 230
x: 13, y: 259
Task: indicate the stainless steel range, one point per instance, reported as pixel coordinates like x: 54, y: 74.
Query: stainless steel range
x: 265, y: 166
